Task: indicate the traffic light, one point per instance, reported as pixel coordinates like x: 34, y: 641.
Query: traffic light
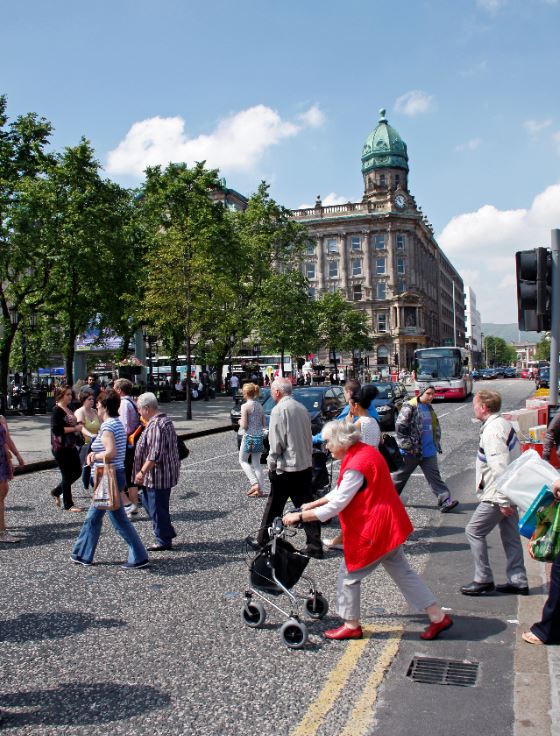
x: 534, y: 278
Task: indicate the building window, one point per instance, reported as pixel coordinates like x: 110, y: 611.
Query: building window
x: 379, y: 242
x: 381, y: 290
x: 333, y: 288
x: 382, y: 180
x: 397, y: 179
x: 400, y: 242
x: 400, y: 266
x: 401, y: 287
x: 310, y: 270
x: 310, y: 250
x: 333, y: 269
x: 311, y: 292
x: 382, y: 322
x: 382, y: 355
x: 357, y: 292
x: 379, y: 266
x: 332, y: 246
x: 356, y: 267
x: 356, y: 242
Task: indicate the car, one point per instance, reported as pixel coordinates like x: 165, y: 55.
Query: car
x: 487, y: 374
x: 510, y: 373
x: 323, y: 403
x: 525, y: 373
x: 543, y: 378
x: 388, y: 402
x: 235, y: 413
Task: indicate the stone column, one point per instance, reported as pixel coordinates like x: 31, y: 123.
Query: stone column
x: 321, y: 263
x: 343, y: 263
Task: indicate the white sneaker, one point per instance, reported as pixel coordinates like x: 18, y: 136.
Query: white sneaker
x: 5, y: 536
x: 331, y: 544
x: 131, y: 509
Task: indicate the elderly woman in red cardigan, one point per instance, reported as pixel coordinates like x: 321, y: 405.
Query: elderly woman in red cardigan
x: 374, y: 525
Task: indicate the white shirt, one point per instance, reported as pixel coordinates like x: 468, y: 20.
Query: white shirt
x: 339, y: 498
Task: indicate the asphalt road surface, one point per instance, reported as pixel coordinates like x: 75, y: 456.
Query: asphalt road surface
x: 102, y: 650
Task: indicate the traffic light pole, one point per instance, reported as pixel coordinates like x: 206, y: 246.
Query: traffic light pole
x: 555, y: 318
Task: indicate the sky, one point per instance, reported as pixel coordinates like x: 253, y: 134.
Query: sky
x: 288, y: 92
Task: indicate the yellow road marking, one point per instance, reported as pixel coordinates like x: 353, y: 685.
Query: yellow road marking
x: 361, y: 717
x: 339, y: 676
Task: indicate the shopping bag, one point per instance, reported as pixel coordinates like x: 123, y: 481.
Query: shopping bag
x: 182, y: 448
x: 524, y: 477
x: 106, y: 495
x: 528, y: 523
x: 545, y: 542
x: 253, y: 443
x: 390, y: 450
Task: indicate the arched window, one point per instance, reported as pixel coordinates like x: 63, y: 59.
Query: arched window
x: 383, y: 355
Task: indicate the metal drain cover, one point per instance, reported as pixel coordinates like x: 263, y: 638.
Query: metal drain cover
x: 433, y: 671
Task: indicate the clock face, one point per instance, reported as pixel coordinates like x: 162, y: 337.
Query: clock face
x: 400, y: 201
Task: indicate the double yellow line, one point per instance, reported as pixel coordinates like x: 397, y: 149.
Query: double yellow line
x: 361, y: 716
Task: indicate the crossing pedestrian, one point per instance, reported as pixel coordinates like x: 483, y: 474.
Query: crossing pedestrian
x: 7, y: 449
x: 64, y: 431
x: 252, y: 424
x: 419, y: 439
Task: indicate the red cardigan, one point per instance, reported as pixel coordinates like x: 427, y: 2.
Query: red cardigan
x: 375, y: 521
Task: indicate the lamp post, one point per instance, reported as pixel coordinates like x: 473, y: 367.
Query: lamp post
x: 231, y: 342
x: 149, y: 339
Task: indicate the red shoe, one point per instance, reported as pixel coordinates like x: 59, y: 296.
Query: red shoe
x: 435, y: 629
x: 344, y: 632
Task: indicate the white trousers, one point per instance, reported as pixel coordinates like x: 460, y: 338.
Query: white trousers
x: 252, y: 470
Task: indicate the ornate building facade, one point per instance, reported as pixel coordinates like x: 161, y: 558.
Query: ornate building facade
x: 382, y: 255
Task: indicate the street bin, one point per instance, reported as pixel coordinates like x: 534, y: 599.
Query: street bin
x: 164, y: 395
x: 39, y: 401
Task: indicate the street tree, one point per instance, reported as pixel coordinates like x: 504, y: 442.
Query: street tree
x: 286, y: 316
x: 24, y: 161
x: 189, y: 255
x: 542, y: 351
x: 341, y: 326
x: 498, y: 351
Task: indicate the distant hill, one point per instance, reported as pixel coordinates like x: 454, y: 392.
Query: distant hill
x: 510, y: 333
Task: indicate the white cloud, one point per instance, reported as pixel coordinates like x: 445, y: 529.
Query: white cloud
x: 470, y: 145
x: 237, y: 143
x: 482, y: 245
x: 491, y: 6
x: 534, y: 127
x: 414, y: 103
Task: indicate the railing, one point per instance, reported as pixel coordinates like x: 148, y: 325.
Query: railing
x: 338, y: 209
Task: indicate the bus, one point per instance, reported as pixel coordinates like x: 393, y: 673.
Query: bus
x: 446, y: 369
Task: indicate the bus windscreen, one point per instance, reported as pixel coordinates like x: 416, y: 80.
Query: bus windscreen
x: 437, y: 366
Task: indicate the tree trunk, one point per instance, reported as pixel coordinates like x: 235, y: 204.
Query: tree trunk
x: 5, y: 351
x: 282, y: 362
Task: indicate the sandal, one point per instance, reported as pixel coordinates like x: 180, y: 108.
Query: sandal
x: 253, y: 490
x: 530, y: 638
x: 75, y: 509
x: 257, y: 493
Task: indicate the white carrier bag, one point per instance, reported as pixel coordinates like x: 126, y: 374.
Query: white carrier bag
x: 523, y: 479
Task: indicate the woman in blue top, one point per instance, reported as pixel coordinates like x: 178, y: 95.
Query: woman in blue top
x: 109, y: 446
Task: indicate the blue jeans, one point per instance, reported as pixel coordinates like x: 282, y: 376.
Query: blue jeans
x: 156, y: 504
x: 86, y: 544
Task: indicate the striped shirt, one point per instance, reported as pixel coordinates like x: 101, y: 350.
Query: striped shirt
x: 158, y: 443
x: 114, y: 426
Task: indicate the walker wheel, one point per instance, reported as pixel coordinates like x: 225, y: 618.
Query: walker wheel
x: 253, y: 614
x: 293, y: 633
x: 316, y: 606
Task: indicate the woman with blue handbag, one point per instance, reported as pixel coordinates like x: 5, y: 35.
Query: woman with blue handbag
x: 252, y: 423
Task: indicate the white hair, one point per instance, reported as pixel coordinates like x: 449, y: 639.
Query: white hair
x: 341, y: 434
x: 147, y: 400
x: 283, y: 386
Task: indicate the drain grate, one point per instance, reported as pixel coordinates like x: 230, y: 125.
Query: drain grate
x: 443, y: 671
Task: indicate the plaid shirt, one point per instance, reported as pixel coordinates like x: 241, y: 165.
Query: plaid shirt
x: 158, y: 442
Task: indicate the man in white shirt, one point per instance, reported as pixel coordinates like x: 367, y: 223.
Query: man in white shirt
x: 129, y: 417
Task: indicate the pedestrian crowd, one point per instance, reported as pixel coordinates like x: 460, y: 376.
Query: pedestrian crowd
x: 110, y: 438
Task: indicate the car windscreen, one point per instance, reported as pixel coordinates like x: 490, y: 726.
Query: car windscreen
x: 384, y: 390
x: 310, y: 399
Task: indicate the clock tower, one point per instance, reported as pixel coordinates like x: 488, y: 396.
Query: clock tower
x: 385, y: 165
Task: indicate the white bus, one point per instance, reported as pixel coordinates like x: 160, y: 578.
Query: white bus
x: 446, y: 369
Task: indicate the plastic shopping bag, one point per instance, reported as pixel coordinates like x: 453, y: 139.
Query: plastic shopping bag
x: 523, y: 479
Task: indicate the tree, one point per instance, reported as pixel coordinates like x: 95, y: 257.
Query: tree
x: 498, y: 352
x: 24, y: 161
x: 286, y: 316
x: 190, y: 253
x: 542, y: 351
x: 341, y: 326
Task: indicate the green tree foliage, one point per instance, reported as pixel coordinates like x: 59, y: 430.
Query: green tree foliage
x: 498, y: 351
x: 543, y: 348
x: 341, y: 326
x: 24, y: 161
x: 286, y: 316
x: 189, y: 255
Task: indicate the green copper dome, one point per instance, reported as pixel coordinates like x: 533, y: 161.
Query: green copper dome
x: 384, y: 148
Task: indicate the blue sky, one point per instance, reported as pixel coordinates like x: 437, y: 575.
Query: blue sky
x: 289, y: 91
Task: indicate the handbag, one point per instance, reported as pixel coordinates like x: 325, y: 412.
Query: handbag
x: 106, y: 494
x: 528, y: 523
x: 253, y: 443
x: 184, y: 451
x: 545, y: 542
x: 389, y: 448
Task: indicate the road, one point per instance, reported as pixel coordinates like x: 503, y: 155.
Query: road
x: 164, y: 651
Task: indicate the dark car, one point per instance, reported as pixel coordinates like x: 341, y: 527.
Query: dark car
x: 510, y: 372
x: 543, y: 378
x: 235, y: 413
x: 488, y: 374
x: 388, y: 402
x: 323, y: 403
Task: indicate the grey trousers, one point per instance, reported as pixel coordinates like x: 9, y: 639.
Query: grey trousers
x: 411, y: 585
x: 486, y: 517
x: 430, y: 469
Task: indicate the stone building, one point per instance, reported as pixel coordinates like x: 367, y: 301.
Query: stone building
x: 473, y: 327
x: 382, y: 255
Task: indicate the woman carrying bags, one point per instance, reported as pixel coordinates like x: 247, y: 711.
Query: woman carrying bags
x: 64, y: 433
x: 109, y: 447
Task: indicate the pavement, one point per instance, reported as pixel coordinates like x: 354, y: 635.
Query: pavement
x: 32, y: 434
x: 487, y: 630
